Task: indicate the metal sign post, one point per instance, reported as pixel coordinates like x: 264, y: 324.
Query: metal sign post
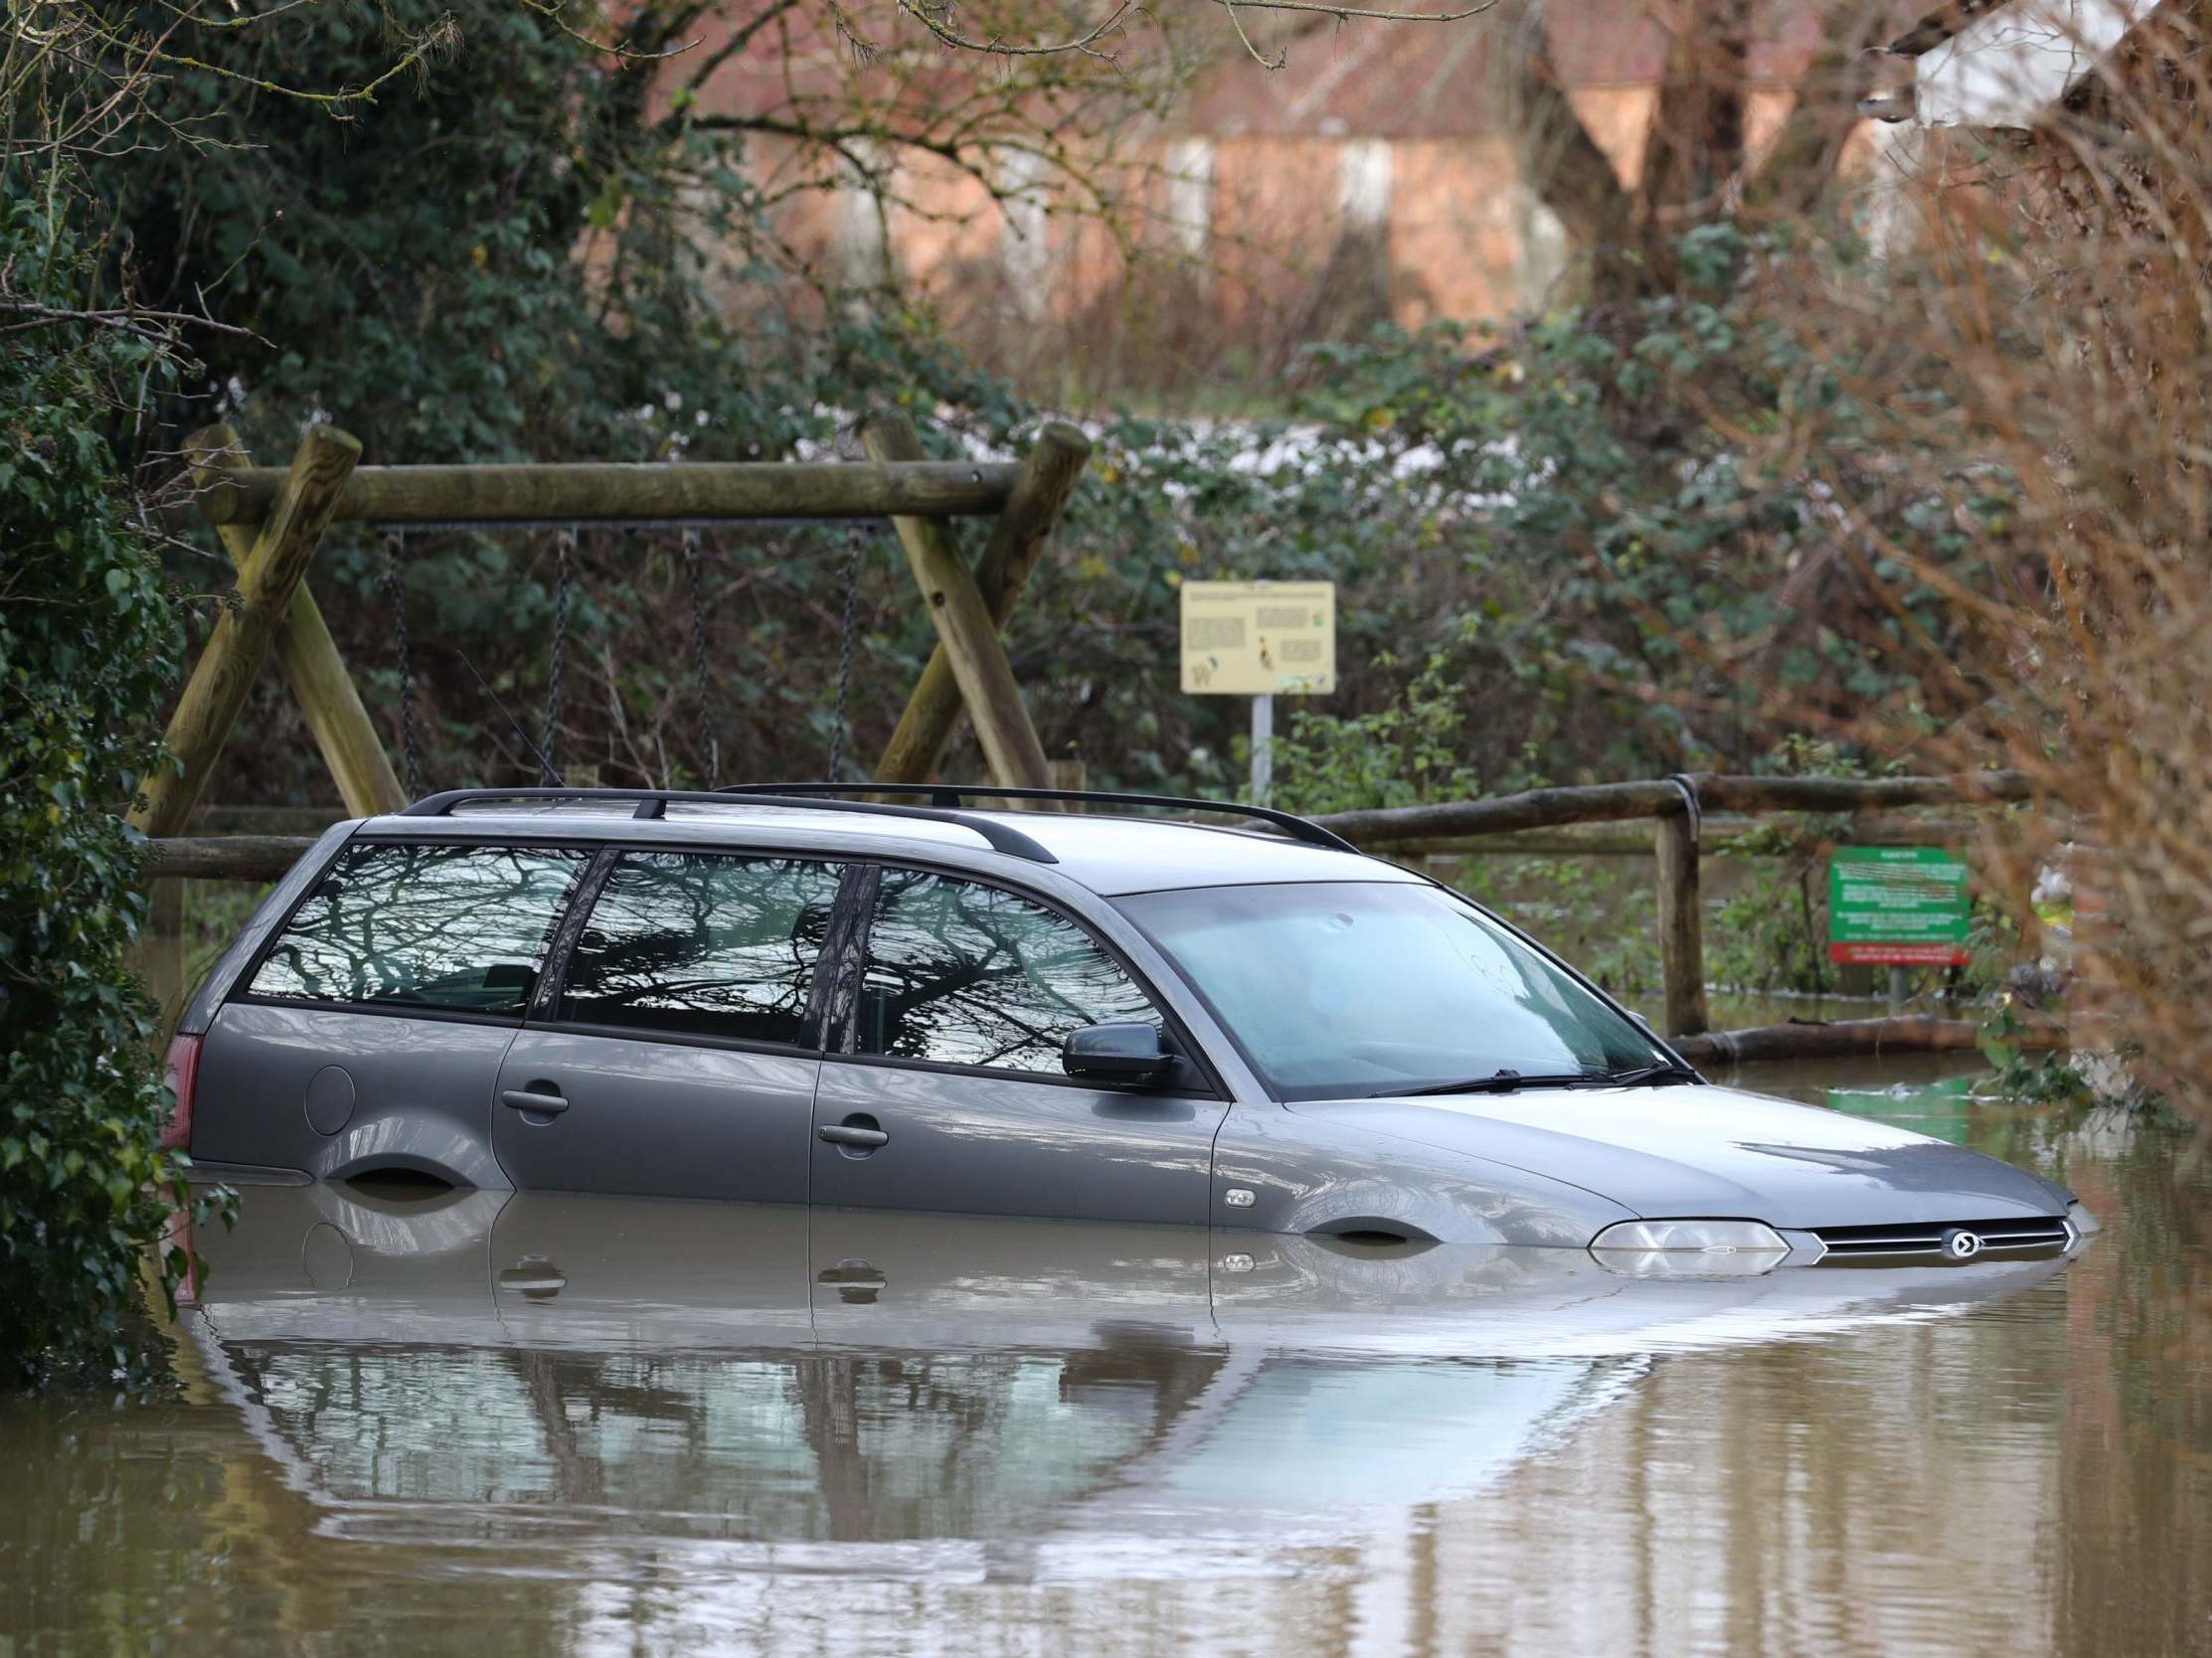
x: 1263, y: 748
x: 1259, y: 639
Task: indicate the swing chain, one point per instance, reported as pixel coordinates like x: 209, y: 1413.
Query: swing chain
x: 562, y: 588
x: 395, y: 593
x: 709, y: 745
x: 845, y: 651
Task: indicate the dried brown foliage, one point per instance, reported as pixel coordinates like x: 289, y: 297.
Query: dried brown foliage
x: 2041, y: 346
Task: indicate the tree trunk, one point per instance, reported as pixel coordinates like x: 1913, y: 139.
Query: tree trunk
x: 1554, y: 153
x: 1695, y: 165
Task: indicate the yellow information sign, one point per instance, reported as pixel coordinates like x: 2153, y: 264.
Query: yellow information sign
x: 1260, y: 638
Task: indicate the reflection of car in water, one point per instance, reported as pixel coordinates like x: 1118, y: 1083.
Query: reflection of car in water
x: 1077, y: 1016
x: 756, y: 1375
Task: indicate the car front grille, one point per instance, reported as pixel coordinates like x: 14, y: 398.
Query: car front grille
x: 1928, y: 1238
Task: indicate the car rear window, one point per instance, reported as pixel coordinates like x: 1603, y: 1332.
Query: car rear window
x: 700, y: 945
x: 462, y: 928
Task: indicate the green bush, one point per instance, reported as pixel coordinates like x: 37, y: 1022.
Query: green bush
x: 1399, y: 755
x: 88, y: 647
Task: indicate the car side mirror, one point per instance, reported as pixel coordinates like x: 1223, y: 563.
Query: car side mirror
x: 1125, y: 1053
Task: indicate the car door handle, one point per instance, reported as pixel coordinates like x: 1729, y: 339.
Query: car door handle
x: 844, y: 1134
x: 522, y: 1100
x: 535, y: 1278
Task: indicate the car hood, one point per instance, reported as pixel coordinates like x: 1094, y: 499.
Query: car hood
x: 1698, y: 1150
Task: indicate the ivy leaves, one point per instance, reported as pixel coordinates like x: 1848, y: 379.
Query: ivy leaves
x: 89, y: 646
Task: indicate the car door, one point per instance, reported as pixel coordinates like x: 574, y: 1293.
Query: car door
x: 369, y: 1035
x: 677, y: 1055
x: 946, y: 1090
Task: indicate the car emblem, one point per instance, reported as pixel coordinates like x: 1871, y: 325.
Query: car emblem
x: 1962, y: 1245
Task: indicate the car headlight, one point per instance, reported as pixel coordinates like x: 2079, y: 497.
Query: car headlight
x: 2080, y: 1220
x: 1696, y: 1249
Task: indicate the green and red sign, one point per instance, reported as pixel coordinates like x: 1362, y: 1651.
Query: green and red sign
x: 1904, y: 905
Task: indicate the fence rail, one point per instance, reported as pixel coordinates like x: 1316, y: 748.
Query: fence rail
x: 1386, y: 828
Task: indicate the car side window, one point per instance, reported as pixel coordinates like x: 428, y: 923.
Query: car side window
x: 966, y: 974
x: 459, y: 928
x: 702, y: 944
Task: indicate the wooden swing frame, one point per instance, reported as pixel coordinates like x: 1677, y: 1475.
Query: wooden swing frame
x: 270, y: 520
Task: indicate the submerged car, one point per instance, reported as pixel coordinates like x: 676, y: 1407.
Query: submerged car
x: 793, y: 997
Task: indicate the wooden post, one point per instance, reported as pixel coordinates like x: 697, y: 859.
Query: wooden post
x: 1047, y: 478
x: 1681, y: 927
x: 161, y: 952
x: 965, y: 632
x: 309, y: 658
x: 266, y: 581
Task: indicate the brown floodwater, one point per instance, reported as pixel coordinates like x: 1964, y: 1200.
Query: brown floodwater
x: 483, y: 1423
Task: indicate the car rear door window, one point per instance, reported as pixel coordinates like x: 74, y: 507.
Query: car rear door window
x: 960, y: 973
x: 705, y: 945
x: 460, y: 928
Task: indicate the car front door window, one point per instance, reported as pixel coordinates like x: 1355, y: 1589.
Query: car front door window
x: 960, y: 973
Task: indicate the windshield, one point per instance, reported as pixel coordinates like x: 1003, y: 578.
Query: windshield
x: 1351, y: 988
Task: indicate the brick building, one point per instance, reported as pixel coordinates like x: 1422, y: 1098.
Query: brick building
x: 1370, y: 177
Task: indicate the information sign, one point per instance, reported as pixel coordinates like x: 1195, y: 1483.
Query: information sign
x: 1258, y: 638
x: 1905, y: 906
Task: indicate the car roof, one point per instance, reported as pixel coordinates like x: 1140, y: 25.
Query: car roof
x: 1110, y: 854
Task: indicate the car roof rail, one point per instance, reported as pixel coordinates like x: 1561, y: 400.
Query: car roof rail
x: 655, y: 804
x: 951, y: 796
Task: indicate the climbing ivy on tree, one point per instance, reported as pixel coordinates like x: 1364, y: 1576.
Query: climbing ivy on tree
x: 89, y: 648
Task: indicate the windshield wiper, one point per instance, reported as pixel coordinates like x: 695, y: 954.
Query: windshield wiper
x: 1500, y: 1081
x: 1666, y: 1071
x: 1505, y: 1081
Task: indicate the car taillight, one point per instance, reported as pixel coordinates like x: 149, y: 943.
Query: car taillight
x: 183, y: 1077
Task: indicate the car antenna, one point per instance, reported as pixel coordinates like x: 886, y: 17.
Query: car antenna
x: 545, y: 766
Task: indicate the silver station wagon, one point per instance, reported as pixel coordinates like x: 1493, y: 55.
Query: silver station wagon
x: 1096, y: 1014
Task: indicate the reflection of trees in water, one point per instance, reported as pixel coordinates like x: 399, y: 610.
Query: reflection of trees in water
x: 970, y: 976
x: 901, y: 1445
x: 461, y: 927
x: 712, y: 945
x: 2138, y: 1432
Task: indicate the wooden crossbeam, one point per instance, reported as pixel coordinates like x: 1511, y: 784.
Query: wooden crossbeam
x: 1047, y: 478
x: 308, y: 657
x: 615, y: 492
x: 267, y: 579
x: 966, y: 632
